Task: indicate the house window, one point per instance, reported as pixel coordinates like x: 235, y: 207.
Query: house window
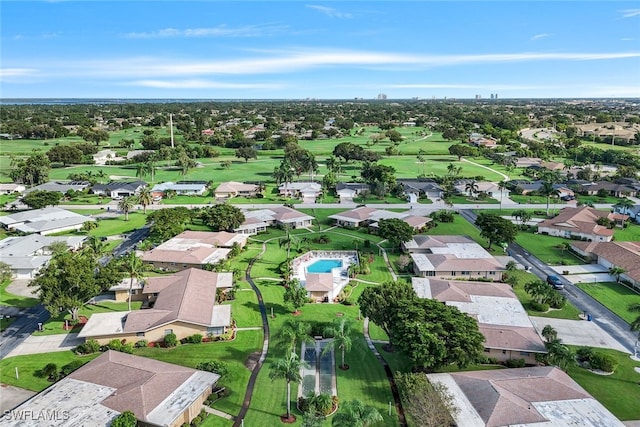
x: 465, y: 273
x: 167, y: 332
x: 134, y: 292
x: 487, y: 350
x: 504, y: 351
x: 453, y: 273
x: 492, y: 273
x: 140, y: 334
x: 430, y: 273
x: 218, y: 330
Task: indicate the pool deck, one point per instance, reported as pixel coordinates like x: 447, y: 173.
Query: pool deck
x: 340, y: 276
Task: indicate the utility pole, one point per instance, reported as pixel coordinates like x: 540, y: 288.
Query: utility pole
x: 171, y: 129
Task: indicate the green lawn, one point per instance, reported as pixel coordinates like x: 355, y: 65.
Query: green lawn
x: 55, y: 325
x: 459, y: 226
x: 365, y: 380
x: 615, y: 296
x: 466, y: 200
x: 631, y: 233
x: 10, y: 299
x: 619, y: 392
x: 114, y: 226
x: 569, y: 311
x: 596, y: 199
x: 546, y: 248
x: 534, y: 199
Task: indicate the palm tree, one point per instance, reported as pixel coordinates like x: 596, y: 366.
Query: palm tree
x: 559, y: 355
x: 288, y: 368
x: 134, y: 267
x: 549, y: 334
x: 635, y: 325
x: 624, y: 204
x: 145, y: 198
x: 355, y: 414
x: 616, y: 272
x: 141, y: 170
x: 294, y: 331
x: 89, y: 225
x: 287, y: 240
x: 150, y: 167
x: 502, y: 185
x: 340, y: 332
x: 96, y: 245
x: 125, y: 205
x: 547, y: 190
x: 471, y: 187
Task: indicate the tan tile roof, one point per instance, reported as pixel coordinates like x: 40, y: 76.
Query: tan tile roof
x: 358, y: 214
x: 235, y: 187
x: 188, y: 296
x: 505, y: 396
x: 583, y: 220
x: 195, y: 247
x: 625, y: 255
x: 141, y: 384
x: 319, y: 282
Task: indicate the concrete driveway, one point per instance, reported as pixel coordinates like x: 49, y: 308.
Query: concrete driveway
x: 580, y: 269
x: 590, y: 278
x: 46, y: 344
x: 579, y: 332
x: 21, y: 288
x: 11, y: 396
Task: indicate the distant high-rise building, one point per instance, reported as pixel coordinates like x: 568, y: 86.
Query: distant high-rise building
x: 382, y: 96
x: 496, y: 96
x: 492, y: 97
x: 478, y: 96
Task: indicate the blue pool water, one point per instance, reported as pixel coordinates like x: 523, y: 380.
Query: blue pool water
x: 324, y: 266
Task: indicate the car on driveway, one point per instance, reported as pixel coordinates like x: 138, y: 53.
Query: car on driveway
x: 555, y: 282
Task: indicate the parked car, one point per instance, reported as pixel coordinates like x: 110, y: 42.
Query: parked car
x: 555, y: 282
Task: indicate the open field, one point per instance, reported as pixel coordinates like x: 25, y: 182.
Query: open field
x: 546, y: 248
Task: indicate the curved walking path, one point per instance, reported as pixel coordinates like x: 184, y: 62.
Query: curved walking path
x: 506, y: 177
x: 265, y: 344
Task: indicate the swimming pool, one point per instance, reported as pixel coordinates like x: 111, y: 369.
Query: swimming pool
x: 324, y: 265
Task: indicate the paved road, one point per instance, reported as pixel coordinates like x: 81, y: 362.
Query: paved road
x: 603, y: 317
x: 21, y: 328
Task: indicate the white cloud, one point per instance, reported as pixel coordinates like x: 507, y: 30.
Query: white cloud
x: 294, y: 61
x: 330, y: 12
x: 17, y: 72
x: 541, y: 36
x: 219, y: 31
x: 201, y: 84
x: 627, y: 39
x: 630, y: 13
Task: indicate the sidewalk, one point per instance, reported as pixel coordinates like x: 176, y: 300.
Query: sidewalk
x: 46, y: 344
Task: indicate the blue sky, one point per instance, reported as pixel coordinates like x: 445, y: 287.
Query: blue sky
x: 325, y: 50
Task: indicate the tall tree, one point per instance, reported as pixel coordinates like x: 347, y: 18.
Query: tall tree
x: 33, y: 170
x: 288, y: 368
x: 41, y: 198
x: 295, y: 294
x: 427, y: 404
x: 548, y: 191
x: 144, y: 198
x: 496, y: 229
x: 340, y: 333
x: 125, y: 205
x: 354, y: 413
x: 471, y: 187
x: 135, y: 268
x: 395, y: 230
x: 67, y: 282
x: 616, y: 272
x: 635, y: 325
x: 222, y: 217
x: 294, y: 331
x: 380, y: 303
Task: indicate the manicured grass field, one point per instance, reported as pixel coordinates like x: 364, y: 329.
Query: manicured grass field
x: 629, y: 234
x: 10, y: 299
x: 545, y: 248
x: 55, y: 325
x: 619, y: 392
x: 365, y: 380
x: 459, y: 226
x: 597, y: 200
x: 115, y: 226
x: 465, y: 200
x: 528, y: 199
x: 615, y: 296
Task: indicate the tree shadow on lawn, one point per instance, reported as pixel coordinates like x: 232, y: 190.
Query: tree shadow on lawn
x: 278, y: 309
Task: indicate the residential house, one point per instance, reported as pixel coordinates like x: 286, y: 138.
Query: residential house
x: 305, y: 190
x: 229, y: 189
x: 625, y: 255
x: 632, y: 211
x: 488, y: 188
x: 60, y: 186
x: 27, y: 255
x: 44, y: 221
x: 417, y: 188
x: 103, y: 156
x: 610, y: 188
x: 181, y: 188
x: 452, y: 257
x: 158, y: 394
x: 349, y: 190
x: 257, y: 221
x: 12, y: 188
x: 525, y: 162
x: 524, y: 397
x: 507, y: 329
x: 580, y: 224
x: 369, y: 217
x: 528, y: 187
x: 193, y: 249
x: 135, y: 153
x: 118, y: 189
x: 184, y: 304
